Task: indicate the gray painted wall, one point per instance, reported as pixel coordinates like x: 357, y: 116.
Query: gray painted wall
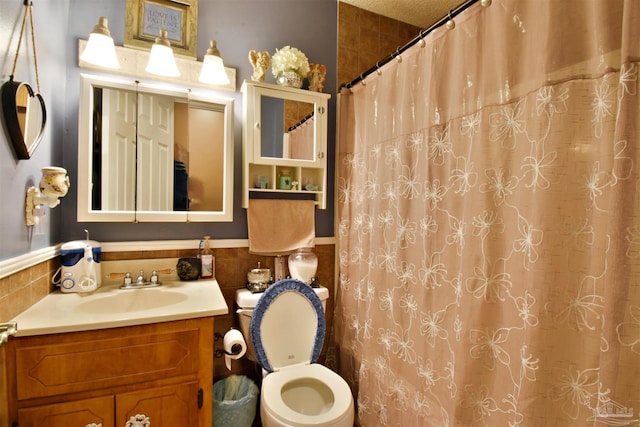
x: 50, y: 20
x: 237, y: 25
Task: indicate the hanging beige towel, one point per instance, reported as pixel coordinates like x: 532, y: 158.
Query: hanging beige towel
x: 278, y: 227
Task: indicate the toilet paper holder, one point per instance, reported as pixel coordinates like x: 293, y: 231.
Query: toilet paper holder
x: 235, y: 349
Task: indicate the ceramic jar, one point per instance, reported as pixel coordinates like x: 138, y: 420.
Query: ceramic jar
x: 284, y: 182
x: 303, y: 264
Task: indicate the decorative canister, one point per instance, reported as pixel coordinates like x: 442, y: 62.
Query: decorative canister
x: 285, y: 180
x: 188, y: 268
x: 303, y: 264
x: 258, y: 279
x: 290, y: 79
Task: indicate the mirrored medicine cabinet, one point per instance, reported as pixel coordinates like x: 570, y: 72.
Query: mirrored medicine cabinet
x: 151, y: 153
x: 284, y: 142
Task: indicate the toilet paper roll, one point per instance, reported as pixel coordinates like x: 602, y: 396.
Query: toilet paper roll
x: 234, y: 346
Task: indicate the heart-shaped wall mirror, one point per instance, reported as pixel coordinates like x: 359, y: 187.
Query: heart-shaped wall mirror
x: 24, y: 116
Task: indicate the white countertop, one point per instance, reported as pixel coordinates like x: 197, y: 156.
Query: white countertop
x: 109, y: 307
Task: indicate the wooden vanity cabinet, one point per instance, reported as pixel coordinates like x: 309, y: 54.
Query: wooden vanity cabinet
x: 162, y: 372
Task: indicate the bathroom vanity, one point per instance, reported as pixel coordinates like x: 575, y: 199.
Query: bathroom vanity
x: 162, y: 372
x: 114, y: 358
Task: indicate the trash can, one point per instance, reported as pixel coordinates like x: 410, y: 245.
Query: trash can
x: 234, y: 402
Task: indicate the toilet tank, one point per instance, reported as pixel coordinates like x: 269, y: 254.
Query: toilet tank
x: 246, y: 302
x: 245, y: 299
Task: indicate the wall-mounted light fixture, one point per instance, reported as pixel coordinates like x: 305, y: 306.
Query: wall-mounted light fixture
x: 212, y: 71
x: 161, y: 59
x: 99, y: 52
x: 100, y: 49
x: 53, y: 185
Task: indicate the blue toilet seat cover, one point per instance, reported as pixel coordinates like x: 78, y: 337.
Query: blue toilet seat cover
x: 270, y: 296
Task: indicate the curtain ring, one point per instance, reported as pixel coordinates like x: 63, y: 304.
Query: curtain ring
x: 421, y: 42
x: 378, y: 70
x: 362, y: 80
x: 398, y: 57
x: 450, y: 23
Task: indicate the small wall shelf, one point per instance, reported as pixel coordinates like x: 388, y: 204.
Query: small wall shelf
x: 270, y: 145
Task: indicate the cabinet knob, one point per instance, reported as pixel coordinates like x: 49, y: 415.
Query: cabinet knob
x: 257, y: 125
x: 140, y: 420
x: 321, y: 155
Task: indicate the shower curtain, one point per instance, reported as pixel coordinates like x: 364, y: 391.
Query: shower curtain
x: 488, y: 222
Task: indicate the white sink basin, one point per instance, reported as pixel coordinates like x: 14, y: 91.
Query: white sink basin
x: 109, y: 307
x: 131, y: 300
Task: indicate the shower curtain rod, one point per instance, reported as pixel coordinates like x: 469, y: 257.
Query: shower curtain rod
x: 301, y: 122
x: 452, y: 14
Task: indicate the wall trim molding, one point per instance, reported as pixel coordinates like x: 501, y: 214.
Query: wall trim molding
x: 13, y: 265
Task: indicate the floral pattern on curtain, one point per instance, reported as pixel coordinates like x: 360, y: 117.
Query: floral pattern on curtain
x: 489, y: 229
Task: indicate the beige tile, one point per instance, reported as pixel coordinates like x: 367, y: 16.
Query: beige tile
x: 369, y: 20
x: 406, y: 32
x: 389, y: 27
x: 5, y: 308
x: 19, y: 280
x: 4, y: 287
x: 20, y: 301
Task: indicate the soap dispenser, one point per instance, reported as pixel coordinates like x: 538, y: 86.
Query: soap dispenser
x: 207, y: 260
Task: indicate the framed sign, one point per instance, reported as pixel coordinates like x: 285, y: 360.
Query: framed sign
x: 145, y: 18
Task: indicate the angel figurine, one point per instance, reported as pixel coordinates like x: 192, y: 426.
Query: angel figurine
x: 316, y: 76
x: 260, y: 62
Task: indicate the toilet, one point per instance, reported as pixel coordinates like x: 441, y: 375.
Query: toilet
x: 285, y: 334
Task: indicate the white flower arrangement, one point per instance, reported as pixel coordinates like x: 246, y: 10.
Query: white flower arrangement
x: 289, y: 59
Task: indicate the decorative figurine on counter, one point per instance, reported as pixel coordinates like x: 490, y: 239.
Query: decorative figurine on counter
x: 316, y: 76
x: 260, y: 62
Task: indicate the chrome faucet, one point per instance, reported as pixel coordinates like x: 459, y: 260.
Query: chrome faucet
x: 140, y: 282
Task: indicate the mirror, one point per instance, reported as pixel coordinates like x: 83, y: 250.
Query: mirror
x: 148, y: 153
x: 287, y: 129
x: 24, y: 116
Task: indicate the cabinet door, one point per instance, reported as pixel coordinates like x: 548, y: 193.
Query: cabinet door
x: 96, y: 412
x: 169, y: 406
x: 284, y: 126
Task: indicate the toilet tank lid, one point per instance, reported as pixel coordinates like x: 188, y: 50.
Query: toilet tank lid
x: 247, y: 299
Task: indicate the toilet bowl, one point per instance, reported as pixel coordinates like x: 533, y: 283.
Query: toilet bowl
x: 287, y: 330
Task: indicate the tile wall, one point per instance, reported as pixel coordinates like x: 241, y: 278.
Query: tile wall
x: 364, y: 38
x: 21, y: 290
